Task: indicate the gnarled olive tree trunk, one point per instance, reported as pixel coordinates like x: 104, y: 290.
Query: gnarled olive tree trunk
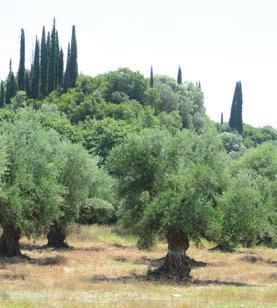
x: 176, y: 264
x: 56, y: 236
x: 9, y: 241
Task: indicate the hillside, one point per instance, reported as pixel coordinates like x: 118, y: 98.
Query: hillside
x: 119, y: 187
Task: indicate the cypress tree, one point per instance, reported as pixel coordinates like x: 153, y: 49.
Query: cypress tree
x: 179, y: 76
x: 60, y: 69
x: 2, y: 94
x: 48, y: 44
x: 27, y: 83
x: 35, y: 73
x: 21, y: 69
x: 74, y: 57
x: 11, y: 87
x: 199, y: 85
x: 66, y: 74
x: 151, y: 78
x: 239, y: 123
x: 221, y: 118
x: 52, y: 71
x: 57, y: 56
x: 232, y: 120
x: 73, y: 65
x: 235, y: 121
x: 43, y: 64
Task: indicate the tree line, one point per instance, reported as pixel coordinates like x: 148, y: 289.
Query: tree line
x: 48, y: 71
x: 47, y: 74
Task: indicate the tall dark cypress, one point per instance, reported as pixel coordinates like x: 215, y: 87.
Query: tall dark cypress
x: 48, y: 43
x: 52, y: 71
x: 239, y: 123
x: 11, y: 86
x: 60, y: 69
x: 151, y: 78
x: 43, y: 64
x: 66, y: 74
x: 21, y: 69
x: 2, y: 94
x: 73, y: 71
x: 221, y: 118
x: 35, y: 73
x: 235, y: 121
x: 27, y: 83
x: 179, y: 76
x: 57, y: 53
x: 232, y: 120
x: 48, y: 46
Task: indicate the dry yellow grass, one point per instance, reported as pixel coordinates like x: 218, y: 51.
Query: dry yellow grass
x: 107, y: 270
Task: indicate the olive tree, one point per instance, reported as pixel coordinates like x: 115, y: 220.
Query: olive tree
x: 30, y: 188
x: 102, y: 203
x: 244, y: 209
x: 77, y: 174
x: 262, y: 163
x: 247, y: 207
x: 169, y: 185
x: 261, y: 160
x: 44, y: 181
x: 126, y: 83
x: 232, y: 143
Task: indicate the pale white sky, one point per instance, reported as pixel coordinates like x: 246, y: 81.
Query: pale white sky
x: 215, y: 41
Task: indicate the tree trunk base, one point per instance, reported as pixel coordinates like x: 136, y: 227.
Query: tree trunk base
x: 194, y: 263
x: 56, y: 237
x: 9, y: 242
x: 175, y: 267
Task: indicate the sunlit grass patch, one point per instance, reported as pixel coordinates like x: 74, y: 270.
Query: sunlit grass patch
x: 99, y: 234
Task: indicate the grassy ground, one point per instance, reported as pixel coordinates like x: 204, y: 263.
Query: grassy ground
x: 107, y: 270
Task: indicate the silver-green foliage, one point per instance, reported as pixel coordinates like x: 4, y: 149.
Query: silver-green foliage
x: 31, y: 192
x: 44, y: 177
x: 168, y: 182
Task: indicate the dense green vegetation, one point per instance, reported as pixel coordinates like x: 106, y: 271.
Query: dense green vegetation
x: 122, y: 148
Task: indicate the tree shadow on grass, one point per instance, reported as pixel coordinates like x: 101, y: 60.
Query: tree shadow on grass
x: 89, y: 249
x: 257, y: 259
x: 40, y: 248
x: 209, y: 282
x: 49, y: 261
x: 32, y: 247
x: 45, y: 261
x: 121, y: 246
x: 143, y: 278
x: 12, y: 276
x: 144, y: 260
x: 122, y: 279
